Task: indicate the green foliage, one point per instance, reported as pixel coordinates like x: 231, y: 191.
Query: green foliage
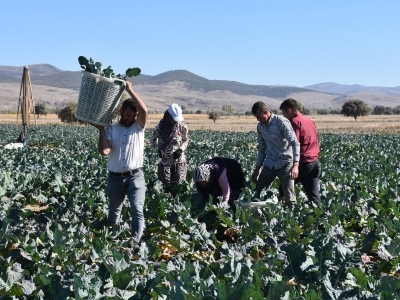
x: 228, y: 109
x: 213, y: 115
x: 300, y: 106
x: 379, y: 110
x: 54, y: 242
x: 322, y: 111
x: 382, y: 110
x: 306, y: 111
x: 40, y: 109
x: 355, y: 108
x: 67, y: 114
x: 302, y: 109
x: 96, y: 68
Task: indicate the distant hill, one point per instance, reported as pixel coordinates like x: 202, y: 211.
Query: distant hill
x: 335, y: 88
x: 197, y: 83
x: 34, y: 70
x: 55, y: 88
x: 51, y: 76
x: 42, y: 74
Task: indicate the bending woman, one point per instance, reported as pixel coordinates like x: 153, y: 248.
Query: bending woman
x: 220, y: 176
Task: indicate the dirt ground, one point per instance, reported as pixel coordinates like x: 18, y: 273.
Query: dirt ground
x: 324, y: 123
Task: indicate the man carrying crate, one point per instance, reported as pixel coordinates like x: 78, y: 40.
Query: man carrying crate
x: 123, y: 143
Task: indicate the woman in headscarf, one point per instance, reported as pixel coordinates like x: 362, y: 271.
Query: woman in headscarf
x: 220, y: 176
x: 170, y: 139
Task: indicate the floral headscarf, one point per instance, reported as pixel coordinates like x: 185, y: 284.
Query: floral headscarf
x: 165, y: 126
x: 203, y: 172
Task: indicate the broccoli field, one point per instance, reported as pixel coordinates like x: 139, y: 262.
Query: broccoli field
x: 54, y: 243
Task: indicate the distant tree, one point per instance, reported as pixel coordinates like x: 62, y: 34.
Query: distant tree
x: 228, y: 109
x: 67, y: 114
x: 389, y: 110
x: 396, y: 110
x: 300, y: 106
x: 334, y: 112
x: 213, y: 115
x: 322, y: 111
x: 355, y: 108
x: 306, y: 111
x: 248, y: 113
x: 199, y: 112
x: 379, y: 110
x: 40, y: 109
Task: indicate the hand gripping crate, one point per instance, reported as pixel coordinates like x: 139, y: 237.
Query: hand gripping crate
x: 98, y: 98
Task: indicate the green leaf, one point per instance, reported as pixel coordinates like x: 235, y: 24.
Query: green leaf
x: 14, y: 274
x: 108, y: 72
x: 98, y: 68
x: 312, y: 294
x: 394, y: 247
x: 385, y: 266
x: 369, y: 241
x: 360, y: 276
x: 277, y: 290
x: 328, y: 291
x: 133, y: 72
x: 84, y: 63
x: 4, y: 285
x: 389, y: 285
x: 296, y: 257
x: 323, y: 247
x: 28, y: 287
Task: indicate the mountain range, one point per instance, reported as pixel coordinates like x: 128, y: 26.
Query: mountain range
x: 55, y: 88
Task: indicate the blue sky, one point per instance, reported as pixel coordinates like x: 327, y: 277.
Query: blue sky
x: 262, y: 42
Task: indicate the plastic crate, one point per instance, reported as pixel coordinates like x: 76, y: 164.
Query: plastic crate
x: 98, y: 98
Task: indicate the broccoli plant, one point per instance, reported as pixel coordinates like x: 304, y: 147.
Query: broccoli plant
x: 96, y: 68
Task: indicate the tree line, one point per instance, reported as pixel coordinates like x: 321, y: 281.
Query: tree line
x: 351, y: 108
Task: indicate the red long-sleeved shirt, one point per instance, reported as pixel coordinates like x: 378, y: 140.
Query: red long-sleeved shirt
x: 306, y: 134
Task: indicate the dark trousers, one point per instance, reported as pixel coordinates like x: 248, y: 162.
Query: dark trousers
x: 308, y: 177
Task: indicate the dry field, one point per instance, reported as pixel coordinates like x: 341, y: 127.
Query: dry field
x: 324, y: 123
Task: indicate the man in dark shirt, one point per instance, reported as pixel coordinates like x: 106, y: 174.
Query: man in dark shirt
x: 309, y: 165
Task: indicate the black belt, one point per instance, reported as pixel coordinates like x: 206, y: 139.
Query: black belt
x: 131, y: 172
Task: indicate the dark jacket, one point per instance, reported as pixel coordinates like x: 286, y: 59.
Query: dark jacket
x: 234, y: 173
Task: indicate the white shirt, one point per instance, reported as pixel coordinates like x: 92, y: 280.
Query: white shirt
x: 127, y: 147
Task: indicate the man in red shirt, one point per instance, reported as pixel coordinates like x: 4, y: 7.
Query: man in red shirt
x: 309, y: 165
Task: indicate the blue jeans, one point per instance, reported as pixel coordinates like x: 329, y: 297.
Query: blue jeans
x: 134, y: 186
x: 268, y: 175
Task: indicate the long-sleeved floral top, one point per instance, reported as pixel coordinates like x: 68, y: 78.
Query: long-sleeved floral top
x: 180, y: 140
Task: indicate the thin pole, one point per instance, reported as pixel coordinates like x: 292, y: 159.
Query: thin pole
x: 20, y: 92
